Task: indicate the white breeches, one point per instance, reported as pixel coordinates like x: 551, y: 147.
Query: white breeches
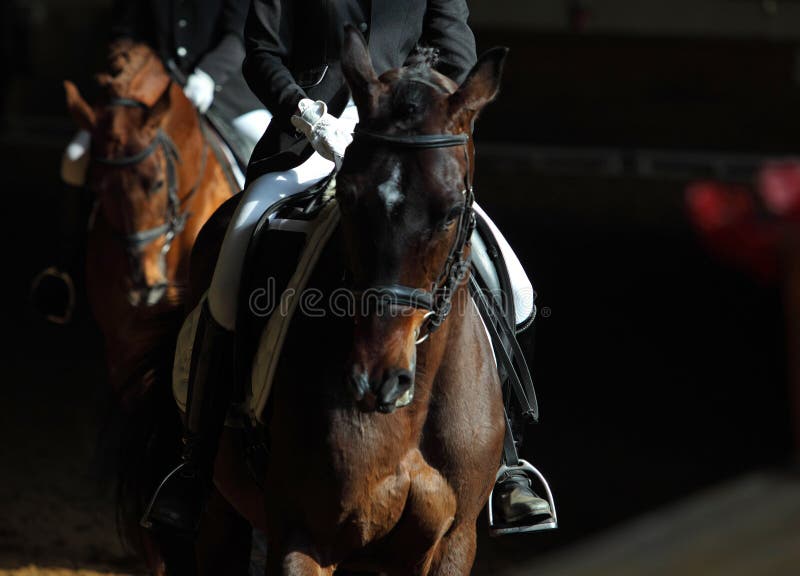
x: 256, y: 199
x: 75, y: 160
x: 252, y: 125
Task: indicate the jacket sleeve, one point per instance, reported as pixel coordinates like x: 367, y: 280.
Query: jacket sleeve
x: 226, y: 57
x: 268, y: 44
x: 445, y: 28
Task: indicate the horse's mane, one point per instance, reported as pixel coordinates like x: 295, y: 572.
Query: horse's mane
x: 126, y: 59
x: 423, y: 57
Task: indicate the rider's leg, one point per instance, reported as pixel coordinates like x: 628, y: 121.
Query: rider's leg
x: 252, y: 125
x: 263, y: 193
x: 75, y: 160
x: 53, y: 290
x: 515, y: 502
x: 179, y: 501
x: 520, y: 284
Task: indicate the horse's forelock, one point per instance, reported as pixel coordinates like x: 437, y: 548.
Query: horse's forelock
x: 126, y: 59
x: 423, y: 56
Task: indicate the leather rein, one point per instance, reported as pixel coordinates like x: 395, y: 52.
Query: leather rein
x: 438, y: 301
x: 175, y: 216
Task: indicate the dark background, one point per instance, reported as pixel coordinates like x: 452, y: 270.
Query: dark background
x: 660, y: 370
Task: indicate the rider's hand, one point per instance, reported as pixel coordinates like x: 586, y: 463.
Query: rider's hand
x: 325, y: 132
x: 200, y: 90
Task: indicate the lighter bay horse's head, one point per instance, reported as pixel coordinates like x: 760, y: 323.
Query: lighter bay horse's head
x: 133, y: 169
x: 405, y: 197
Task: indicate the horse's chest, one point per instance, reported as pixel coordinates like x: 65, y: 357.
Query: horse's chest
x: 414, y: 503
x: 371, y: 509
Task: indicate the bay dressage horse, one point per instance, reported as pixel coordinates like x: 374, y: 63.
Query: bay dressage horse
x: 155, y: 180
x: 386, y: 427
x: 156, y: 175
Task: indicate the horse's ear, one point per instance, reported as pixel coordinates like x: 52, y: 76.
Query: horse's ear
x: 78, y: 108
x: 150, y: 82
x: 359, y: 72
x: 481, y: 85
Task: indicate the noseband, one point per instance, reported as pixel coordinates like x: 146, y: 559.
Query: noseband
x: 175, y: 217
x: 437, y: 302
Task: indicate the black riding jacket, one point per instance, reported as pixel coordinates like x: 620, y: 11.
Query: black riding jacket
x: 293, y: 52
x: 205, y: 34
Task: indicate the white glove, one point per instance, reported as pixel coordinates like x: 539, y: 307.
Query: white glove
x: 200, y: 90
x: 326, y: 133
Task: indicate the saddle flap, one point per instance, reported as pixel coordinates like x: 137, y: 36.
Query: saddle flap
x: 280, y: 256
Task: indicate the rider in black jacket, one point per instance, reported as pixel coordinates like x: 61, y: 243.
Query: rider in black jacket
x: 293, y: 66
x: 204, y: 35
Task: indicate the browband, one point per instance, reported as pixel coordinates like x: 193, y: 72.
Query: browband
x: 415, y: 141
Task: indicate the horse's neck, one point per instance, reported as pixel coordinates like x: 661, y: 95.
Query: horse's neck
x: 453, y: 336
x: 182, y: 123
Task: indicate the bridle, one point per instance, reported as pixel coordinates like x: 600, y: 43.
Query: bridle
x: 438, y: 301
x: 175, y: 216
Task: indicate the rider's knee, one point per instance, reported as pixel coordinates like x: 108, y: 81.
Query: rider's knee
x: 75, y: 160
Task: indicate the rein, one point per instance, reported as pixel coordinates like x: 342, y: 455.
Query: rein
x: 438, y: 301
x: 175, y: 217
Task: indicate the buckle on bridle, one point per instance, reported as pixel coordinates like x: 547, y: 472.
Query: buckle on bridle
x: 428, y: 332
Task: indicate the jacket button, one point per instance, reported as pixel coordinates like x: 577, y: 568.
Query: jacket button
x: 182, y: 23
x: 182, y: 51
x: 363, y: 27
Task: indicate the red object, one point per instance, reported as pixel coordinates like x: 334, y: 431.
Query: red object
x: 728, y: 220
x: 779, y: 187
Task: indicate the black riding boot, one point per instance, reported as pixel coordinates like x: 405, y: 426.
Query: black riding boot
x: 516, y: 504
x: 179, y: 501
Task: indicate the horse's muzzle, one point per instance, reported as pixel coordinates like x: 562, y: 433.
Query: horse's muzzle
x: 392, y: 390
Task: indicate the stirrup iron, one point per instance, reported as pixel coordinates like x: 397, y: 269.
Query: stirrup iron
x: 534, y: 475
x: 69, y: 287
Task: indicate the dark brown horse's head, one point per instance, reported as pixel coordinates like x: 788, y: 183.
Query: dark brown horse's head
x: 406, y: 208
x: 133, y: 164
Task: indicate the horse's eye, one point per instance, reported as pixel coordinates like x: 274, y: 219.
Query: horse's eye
x: 156, y: 186
x: 451, y: 217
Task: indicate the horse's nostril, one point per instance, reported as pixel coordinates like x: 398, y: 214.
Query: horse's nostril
x: 404, y: 379
x: 396, y: 382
